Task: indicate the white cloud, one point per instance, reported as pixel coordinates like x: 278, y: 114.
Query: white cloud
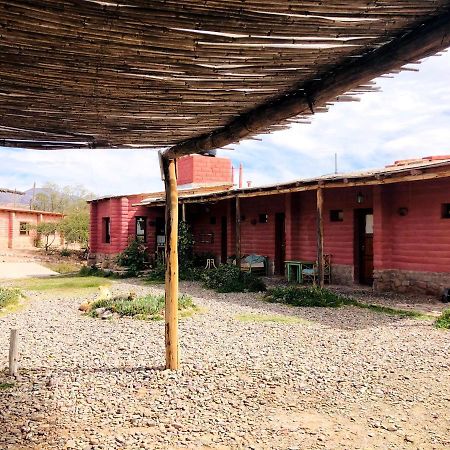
x: 410, y: 117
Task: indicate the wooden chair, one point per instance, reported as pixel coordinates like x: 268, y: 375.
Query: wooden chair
x: 310, y: 272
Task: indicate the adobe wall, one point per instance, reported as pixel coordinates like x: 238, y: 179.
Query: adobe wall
x: 10, y: 236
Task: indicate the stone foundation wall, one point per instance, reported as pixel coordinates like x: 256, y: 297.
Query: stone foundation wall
x: 342, y: 274
x: 103, y: 260
x: 430, y: 283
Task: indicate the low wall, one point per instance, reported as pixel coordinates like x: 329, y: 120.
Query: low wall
x: 342, y: 274
x: 404, y: 281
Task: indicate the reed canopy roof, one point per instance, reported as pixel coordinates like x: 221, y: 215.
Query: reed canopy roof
x: 194, y: 75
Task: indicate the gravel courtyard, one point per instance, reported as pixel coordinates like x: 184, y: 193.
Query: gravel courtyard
x: 335, y: 379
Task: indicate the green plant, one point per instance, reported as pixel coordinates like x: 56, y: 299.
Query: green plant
x: 306, y: 296
x: 94, y: 271
x: 229, y: 278
x: 150, y: 307
x: 9, y: 296
x: 313, y: 296
x: 185, y: 244
x: 6, y: 386
x: 443, y: 320
x: 134, y: 257
x: 65, y: 252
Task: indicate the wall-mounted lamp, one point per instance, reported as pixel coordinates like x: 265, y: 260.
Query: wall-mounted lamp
x: 359, y: 197
x: 402, y: 211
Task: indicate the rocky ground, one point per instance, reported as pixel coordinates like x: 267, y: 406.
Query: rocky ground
x: 337, y: 379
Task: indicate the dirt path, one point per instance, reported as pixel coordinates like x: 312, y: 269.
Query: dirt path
x: 16, y: 270
x: 336, y: 379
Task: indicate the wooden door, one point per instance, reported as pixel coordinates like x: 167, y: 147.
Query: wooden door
x: 223, y: 240
x: 280, y: 243
x: 364, y: 246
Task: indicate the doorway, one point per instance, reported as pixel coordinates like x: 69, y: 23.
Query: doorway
x: 364, y: 246
x: 223, y: 240
x: 280, y: 243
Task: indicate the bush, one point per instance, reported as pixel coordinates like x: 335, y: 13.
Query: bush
x: 444, y: 320
x: 134, y: 257
x: 307, y: 296
x: 9, y: 296
x: 65, y: 252
x: 94, y: 271
x: 229, y: 278
x: 148, y: 307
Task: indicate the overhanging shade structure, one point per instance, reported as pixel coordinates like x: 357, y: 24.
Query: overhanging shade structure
x: 188, y: 76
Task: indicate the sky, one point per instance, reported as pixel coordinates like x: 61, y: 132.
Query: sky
x: 410, y: 117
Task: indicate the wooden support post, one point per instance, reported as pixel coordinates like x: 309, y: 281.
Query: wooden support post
x: 13, y: 353
x: 171, y: 310
x: 238, y: 232
x: 320, y: 260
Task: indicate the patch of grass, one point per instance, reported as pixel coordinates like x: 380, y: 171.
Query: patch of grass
x: 9, y: 296
x: 63, y: 267
x: 392, y: 311
x: 313, y: 296
x: 443, y: 320
x: 263, y: 318
x: 66, y: 283
x: 6, y: 386
x: 150, y: 307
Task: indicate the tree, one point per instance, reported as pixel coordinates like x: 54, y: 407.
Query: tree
x: 47, y: 230
x: 72, y: 202
x: 75, y: 228
x: 54, y: 198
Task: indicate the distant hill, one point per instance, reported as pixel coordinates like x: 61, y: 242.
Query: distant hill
x: 22, y: 201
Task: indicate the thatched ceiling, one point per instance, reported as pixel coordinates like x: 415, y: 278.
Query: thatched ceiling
x: 157, y: 73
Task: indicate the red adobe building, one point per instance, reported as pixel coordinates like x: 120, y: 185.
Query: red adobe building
x: 16, y: 227
x: 387, y: 227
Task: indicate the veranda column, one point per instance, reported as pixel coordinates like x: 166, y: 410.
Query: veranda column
x: 320, y: 260
x: 171, y: 287
x: 238, y: 232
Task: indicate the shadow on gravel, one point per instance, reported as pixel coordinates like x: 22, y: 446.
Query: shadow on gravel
x: 342, y: 318
x: 30, y: 416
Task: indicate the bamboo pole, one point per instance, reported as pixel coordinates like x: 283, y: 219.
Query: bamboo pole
x: 238, y: 232
x: 171, y: 284
x: 320, y: 260
x: 13, y: 353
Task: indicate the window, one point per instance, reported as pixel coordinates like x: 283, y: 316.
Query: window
x: 24, y: 228
x: 106, y: 230
x: 212, y: 220
x: 336, y: 215
x: 263, y: 218
x: 141, y: 229
x: 446, y: 211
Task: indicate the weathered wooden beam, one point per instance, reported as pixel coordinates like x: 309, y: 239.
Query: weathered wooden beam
x: 320, y: 260
x: 171, y: 253
x: 424, y: 40
x: 238, y: 232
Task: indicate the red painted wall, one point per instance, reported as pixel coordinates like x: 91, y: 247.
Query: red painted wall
x: 123, y: 223
x: 10, y: 219
x: 420, y: 240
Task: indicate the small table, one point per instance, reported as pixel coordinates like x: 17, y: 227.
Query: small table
x: 300, y: 265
